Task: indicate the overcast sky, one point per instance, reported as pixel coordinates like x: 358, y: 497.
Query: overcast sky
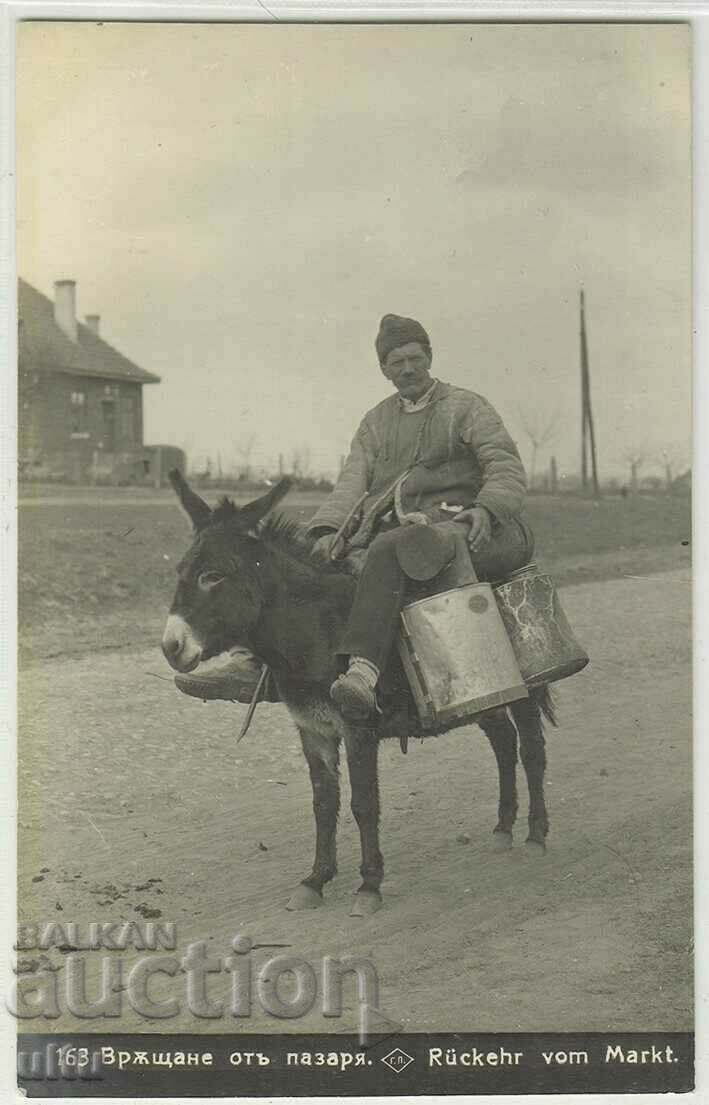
x: 242, y: 203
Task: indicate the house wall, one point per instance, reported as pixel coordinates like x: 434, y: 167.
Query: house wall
x: 79, y: 438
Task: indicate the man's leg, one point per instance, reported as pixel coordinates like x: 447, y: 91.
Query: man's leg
x: 371, y: 627
x: 378, y: 600
x: 510, y: 547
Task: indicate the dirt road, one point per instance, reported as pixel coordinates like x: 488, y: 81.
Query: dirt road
x: 136, y: 802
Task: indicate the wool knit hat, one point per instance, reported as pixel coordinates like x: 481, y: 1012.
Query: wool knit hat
x: 395, y: 331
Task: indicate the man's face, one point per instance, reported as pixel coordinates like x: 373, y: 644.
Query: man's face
x: 409, y: 369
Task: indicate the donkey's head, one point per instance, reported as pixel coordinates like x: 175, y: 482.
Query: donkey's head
x: 219, y: 590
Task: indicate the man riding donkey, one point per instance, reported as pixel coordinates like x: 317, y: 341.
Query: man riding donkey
x: 432, y: 452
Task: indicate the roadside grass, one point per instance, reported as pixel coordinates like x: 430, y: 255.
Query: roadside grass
x: 570, y: 526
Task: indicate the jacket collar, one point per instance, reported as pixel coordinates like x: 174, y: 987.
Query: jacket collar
x: 411, y: 405
x: 440, y: 391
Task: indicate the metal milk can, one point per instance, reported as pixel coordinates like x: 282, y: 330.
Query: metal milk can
x: 539, y: 631
x: 457, y: 655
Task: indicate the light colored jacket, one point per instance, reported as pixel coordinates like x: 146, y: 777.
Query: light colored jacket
x: 464, y: 456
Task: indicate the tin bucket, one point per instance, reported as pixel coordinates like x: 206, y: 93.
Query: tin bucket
x: 541, y: 636
x: 457, y: 655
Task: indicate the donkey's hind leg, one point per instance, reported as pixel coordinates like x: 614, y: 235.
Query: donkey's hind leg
x: 502, y: 735
x: 362, y: 750
x: 528, y: 718
x: 323, y: 761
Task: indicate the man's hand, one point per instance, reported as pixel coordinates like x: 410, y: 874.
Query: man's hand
x: 322, y: 548
x: 480, y: 522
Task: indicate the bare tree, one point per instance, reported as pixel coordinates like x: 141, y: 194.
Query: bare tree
x: 635, y: 456
x: 671, y: 459
x: 542, y: 430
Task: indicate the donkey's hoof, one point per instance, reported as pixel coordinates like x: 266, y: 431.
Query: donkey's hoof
x: 534, y: 847
x: 366, y: 902
x: 501, y: 841
x: 305, y: 898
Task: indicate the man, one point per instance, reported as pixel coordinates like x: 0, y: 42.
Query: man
x: 429, y: 453
x: 417, y: 456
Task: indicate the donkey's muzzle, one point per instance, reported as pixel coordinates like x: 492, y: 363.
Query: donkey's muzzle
x: 181, y: 649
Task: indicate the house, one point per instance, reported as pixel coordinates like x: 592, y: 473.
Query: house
x: 80, y: 401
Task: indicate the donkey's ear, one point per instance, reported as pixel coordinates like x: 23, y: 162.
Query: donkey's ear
x: 195, y: 508
x: 250, y: 515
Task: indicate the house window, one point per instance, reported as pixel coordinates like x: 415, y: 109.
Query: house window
x: 128, y: 419
x: 78, y: 413
x: 110, y: 391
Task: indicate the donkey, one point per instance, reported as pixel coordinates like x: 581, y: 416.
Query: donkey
x: 249, y: 580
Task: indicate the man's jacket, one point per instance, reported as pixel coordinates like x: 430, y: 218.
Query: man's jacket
x: 460, y: 454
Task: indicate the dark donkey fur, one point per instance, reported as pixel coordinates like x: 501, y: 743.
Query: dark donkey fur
x: 251, y: 582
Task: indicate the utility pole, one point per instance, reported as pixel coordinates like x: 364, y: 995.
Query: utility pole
x: 588, y: 433
x: 584, y: 353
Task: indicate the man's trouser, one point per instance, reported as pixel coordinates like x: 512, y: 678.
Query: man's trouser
x: 383, y: 588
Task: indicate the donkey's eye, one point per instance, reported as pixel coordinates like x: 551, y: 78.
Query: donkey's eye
x: 207, y: 580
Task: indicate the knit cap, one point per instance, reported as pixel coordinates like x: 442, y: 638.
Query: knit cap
x: 395, y: 330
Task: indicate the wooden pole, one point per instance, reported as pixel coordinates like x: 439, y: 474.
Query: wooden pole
x: 582, y: 338
x: 592, y: 435
x: 587, y: 415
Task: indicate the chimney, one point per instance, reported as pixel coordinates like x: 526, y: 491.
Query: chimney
x: 93, y: 322
x: 65, y: 307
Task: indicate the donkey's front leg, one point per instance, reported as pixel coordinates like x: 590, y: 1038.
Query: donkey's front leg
x: 323, y: 760
x: 362, y: 749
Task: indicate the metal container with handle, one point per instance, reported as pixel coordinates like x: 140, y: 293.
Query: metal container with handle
x: 542, y: 639
x: 457, y: 655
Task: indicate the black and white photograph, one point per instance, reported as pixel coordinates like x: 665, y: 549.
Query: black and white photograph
x: 354, y: 462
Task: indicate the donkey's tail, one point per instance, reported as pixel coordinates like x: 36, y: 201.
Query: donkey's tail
x: 545, y: 701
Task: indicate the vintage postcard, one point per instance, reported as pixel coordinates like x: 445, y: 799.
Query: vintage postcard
x: 354, y: 407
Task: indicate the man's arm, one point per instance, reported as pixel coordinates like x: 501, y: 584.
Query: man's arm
x: 504, y: 482
x: 351, y: 486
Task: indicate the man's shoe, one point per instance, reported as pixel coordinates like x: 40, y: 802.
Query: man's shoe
x: 232, y: 675
x: 354, y: 696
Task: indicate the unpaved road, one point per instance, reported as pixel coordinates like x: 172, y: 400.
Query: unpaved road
x: 136, y: 800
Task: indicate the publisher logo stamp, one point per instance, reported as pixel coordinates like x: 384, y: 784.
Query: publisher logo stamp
x: 397, y: 1060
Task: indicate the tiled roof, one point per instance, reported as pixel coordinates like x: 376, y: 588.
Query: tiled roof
x: 44, y: 344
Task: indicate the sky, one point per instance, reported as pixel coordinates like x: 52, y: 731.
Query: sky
x: 242, y: 203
